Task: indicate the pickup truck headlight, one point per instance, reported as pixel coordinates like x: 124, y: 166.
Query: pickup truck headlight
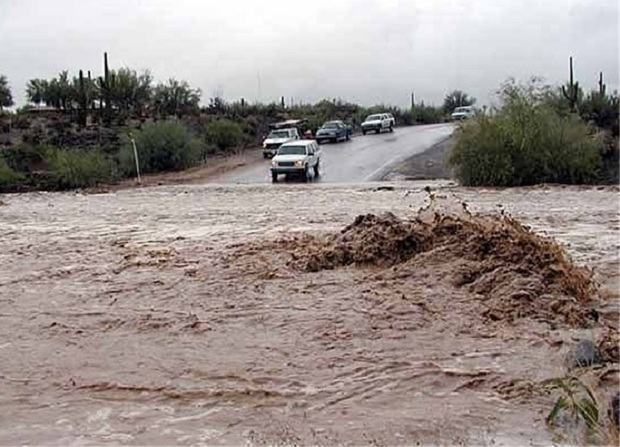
x: 274, y: 163
x: 299, y: 164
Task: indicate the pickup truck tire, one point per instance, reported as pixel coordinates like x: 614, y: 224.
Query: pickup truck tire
x: 391, y: 128
x: 316, y: 169
x: 364, y: 132
x: 274, y: 177
x: 378, y: 130
x: 304, y: 174
x: 347, y: 137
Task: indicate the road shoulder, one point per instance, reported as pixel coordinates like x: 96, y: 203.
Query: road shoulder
x: 428, y: 165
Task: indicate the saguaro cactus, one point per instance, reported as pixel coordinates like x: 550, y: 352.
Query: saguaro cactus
x: 105, y: 86
x: 83, y: 100
x: 601, y: 87
x: 572, y: 92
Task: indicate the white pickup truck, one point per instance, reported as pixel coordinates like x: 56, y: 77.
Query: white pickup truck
x: 298, y: 158
x: 378, y: 122
x: 277, y: 138
x: 462, y: 113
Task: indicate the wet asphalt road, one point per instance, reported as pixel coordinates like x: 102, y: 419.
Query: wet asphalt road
x: 362, y: 159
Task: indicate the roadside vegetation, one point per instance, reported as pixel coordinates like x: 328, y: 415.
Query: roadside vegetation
x: 456, y: 98
x: 74, y: 133
x: 164, y: 146
x: 6, y: 98
x: 536, y: 133
x: 540, y: 134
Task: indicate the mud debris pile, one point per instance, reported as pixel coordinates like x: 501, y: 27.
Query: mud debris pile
x: 516, y: 272
x: 609, y: 345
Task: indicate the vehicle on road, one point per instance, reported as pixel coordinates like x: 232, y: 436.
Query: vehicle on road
x: 300, y: 158
x: 277, y: 138
x: 333, y: 131
x: 294, y: 129
x: 391, y: 117
x: 462, y: 113
x: 377, y: 123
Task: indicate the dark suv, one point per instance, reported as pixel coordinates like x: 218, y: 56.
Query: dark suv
x: 333, y: 131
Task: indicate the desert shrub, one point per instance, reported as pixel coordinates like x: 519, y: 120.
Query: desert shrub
x: 75, y: 168
x: 602, y: 110
x: 8, y: 176
x: 24, y: 158
x: 524, y: 142
x: 224, y: 134
x: 162, y: 146
x: 424, y: 114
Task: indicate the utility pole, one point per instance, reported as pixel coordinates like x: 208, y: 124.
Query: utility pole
x: 135, y: 154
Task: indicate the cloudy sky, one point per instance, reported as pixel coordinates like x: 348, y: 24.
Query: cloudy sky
x: 366, y: 51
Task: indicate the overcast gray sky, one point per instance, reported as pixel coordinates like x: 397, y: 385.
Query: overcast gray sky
x: 365, y: 51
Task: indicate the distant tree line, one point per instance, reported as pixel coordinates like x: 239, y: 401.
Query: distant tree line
x: 535, y: 135
x: 122, y: 92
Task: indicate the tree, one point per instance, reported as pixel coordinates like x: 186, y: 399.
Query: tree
x: 65, y: 90
x: 86, y: 94
x: 35, y: 91
x: 176, y: 98
x: 6, y: 99
x: 457, y: 98
x: 51, y: 93
x: 57, y: 92
x: 130, y: 90
x: 224, y: 133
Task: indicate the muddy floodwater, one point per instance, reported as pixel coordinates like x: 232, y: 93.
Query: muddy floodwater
x: 175, y: 315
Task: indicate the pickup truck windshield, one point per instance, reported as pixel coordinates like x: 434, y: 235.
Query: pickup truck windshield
x: 292, y: 150
x: 279, y: 134
x: 374, y: 117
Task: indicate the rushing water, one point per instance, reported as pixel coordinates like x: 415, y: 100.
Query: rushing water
x: 150, y: 316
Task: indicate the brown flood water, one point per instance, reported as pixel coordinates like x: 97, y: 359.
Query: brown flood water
x: 168, y: 316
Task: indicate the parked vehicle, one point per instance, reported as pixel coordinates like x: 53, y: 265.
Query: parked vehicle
x: 377, y: 123
x: 462, y: 113
x: 333, y: 131
x: 299, y: 158
x: 277, y: 138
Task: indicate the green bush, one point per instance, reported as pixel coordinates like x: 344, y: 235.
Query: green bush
x: 423, y: 114
x: 224, y: 133
x: 24, y: 158
x: 8, y: 177
x: 74, y: 168
x: 602, y: 110
x: 524, y: 142
x: 162, y: 146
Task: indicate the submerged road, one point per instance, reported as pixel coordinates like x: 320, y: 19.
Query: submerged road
x: 364, y: 158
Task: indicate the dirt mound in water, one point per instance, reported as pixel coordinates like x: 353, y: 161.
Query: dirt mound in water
x: 609, y: 345
x: 517, y: 272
